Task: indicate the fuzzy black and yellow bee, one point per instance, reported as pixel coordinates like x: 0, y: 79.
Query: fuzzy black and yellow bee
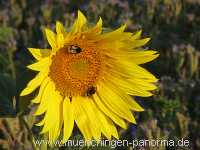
x: 91, y: 90
x: 74, y: 49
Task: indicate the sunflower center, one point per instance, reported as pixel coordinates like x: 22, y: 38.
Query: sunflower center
x: 79, y: 69
x: 75, y: 73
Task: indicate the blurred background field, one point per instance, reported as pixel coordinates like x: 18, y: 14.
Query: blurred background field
x: 173, y: 25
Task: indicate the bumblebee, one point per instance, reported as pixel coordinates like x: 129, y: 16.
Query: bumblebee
x: 74, y: 49
x: 91, y: 90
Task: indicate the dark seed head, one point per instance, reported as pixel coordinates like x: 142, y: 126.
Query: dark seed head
x: 91, y: 91
x: 74, y: 49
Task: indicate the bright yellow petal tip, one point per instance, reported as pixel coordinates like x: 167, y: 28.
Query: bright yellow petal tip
x: 51, y: 37
x: 59, y: 28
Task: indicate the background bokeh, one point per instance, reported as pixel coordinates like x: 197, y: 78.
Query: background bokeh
x: 173, y: 25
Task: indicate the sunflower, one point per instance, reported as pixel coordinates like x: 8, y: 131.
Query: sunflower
x: 88, y: 78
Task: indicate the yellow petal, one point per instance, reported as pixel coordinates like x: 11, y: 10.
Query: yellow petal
x: 106, y: 125
x: 41, y: 123
x: 54, y: 132
x: 34, y: 83
x: 79, y: 23
x: 39, y: 53
x: 126, y: 98
x: 37, y: 99
x: 143, y: 84
x: 97, y: 29
x: 51, y: 38
x: 115, y: 103
x: 129, y: 69
x: 46, y: 96
x: 68, y: 116
x: 40, y: 65
x: 108, y: 112
x: 60, y: 28
x: 113, y: 36
x: 113, y: 129
x: 139, y: 43
x: 137, y: 35
x: 81, y: 119
x: 88, y: 106
x: 60, y: 40
x: 53, y: 109
x: 137, y: 57
x: 134, y: 105
x: 128, y: 87
x: 143, y: 56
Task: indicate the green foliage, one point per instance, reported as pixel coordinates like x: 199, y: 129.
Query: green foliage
x: 5, y: 34
x: 7, y: 92
x: 173, y: 25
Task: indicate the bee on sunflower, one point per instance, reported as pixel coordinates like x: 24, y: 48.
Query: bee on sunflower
x: 88, y: 78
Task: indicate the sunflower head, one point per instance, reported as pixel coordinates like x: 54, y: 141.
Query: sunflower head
x: 88, y: 78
